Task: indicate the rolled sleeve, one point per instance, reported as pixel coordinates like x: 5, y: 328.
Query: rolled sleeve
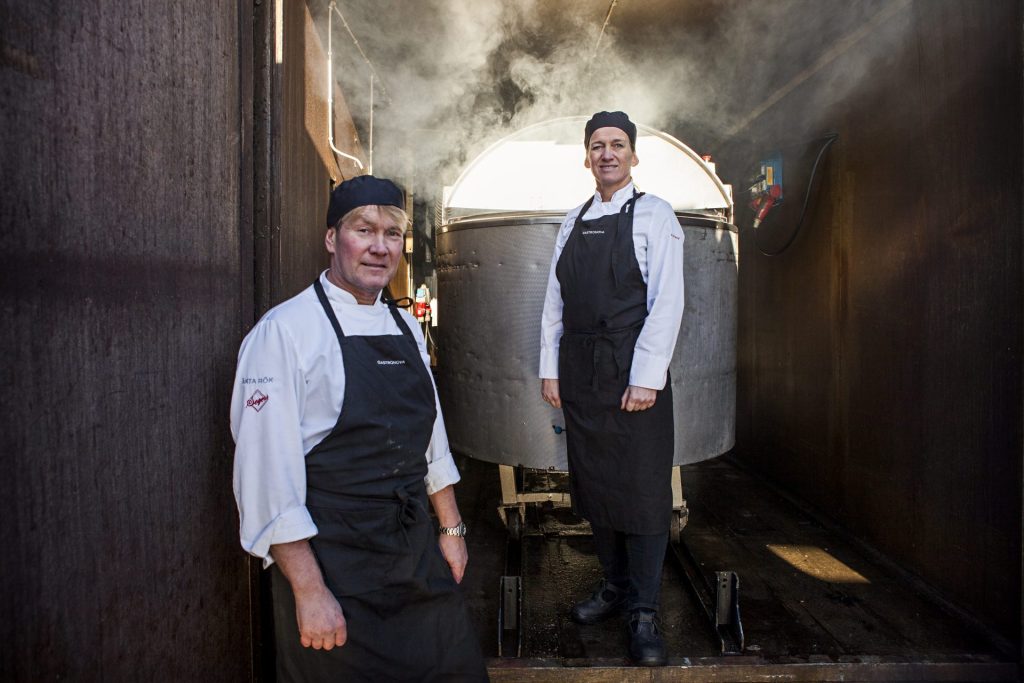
x: 291, y: 525
x: 441, y: 469
x: 269, y: 478
x: 441, y: 473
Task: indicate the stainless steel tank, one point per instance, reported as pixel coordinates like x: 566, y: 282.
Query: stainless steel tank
x: 492, y: 268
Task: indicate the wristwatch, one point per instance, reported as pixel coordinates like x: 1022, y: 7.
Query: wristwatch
x: 459, y: 530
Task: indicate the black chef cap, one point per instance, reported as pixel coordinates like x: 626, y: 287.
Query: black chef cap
x: 613, y: 119
x: 363, y: 190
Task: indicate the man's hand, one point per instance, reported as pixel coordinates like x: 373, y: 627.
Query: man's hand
x: 322, y: 626
x: 452, y: 547
x: 549, y: 392
x: 454, y: 550
x: 638, y: 398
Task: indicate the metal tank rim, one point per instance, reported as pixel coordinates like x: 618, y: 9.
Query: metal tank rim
x: 507, y: 219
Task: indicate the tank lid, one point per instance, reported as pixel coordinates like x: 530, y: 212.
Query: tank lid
x: 540, y: 168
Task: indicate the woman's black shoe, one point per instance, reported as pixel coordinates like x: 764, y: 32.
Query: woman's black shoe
x: 646, y: 646
x: 606, y: 601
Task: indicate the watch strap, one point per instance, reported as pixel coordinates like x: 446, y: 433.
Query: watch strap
x: 459, y: 530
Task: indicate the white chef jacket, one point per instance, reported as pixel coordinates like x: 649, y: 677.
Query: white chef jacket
x: 287, y: 397
x: 658, y: 245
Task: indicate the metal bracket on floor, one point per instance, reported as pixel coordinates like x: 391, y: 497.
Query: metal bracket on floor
x: 727, y: 614
x: 721, y: 603
x: 510, y: 589
x: 510, y: 613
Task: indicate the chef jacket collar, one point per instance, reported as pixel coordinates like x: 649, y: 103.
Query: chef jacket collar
x: 335, y: 293
x: 620, y: 195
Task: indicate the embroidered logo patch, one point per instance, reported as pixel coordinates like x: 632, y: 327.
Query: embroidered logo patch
x: 257, y: 400
x: 391, y: 362
x: 592, y: 232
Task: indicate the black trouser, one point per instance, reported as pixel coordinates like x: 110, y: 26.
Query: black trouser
x: 635, y: 560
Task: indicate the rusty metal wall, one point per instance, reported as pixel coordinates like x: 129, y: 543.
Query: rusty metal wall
x: 880, y: 356
x: 125, y: 289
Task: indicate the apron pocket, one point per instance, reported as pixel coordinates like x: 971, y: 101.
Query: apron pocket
x: 363, y: 550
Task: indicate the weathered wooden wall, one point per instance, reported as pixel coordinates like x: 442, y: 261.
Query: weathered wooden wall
x: 125, y: 289
x: 880, y: 356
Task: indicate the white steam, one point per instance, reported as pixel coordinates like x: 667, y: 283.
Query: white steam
x: 461, y: 74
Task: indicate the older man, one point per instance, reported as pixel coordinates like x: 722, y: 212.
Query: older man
x: 339, y: 444
x: 611, y: 317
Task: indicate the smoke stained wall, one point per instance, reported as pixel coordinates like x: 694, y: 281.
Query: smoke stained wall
x: 880, y: 356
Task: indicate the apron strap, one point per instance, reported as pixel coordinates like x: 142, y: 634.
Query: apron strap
x: 586, y: 207
x: 399, y: 320
x: 322, y: 295
x: 631, y: 204
x: 627, y: 210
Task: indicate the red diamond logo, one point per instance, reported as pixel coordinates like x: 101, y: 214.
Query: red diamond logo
x: 257, y: 400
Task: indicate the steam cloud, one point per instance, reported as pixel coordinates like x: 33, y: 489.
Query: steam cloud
x: 460, y: 74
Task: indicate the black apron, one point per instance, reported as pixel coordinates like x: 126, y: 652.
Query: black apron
x: 377, y: 546
x: 619, y: 462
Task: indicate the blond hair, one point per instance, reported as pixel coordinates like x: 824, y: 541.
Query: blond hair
x: 399, y: 216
